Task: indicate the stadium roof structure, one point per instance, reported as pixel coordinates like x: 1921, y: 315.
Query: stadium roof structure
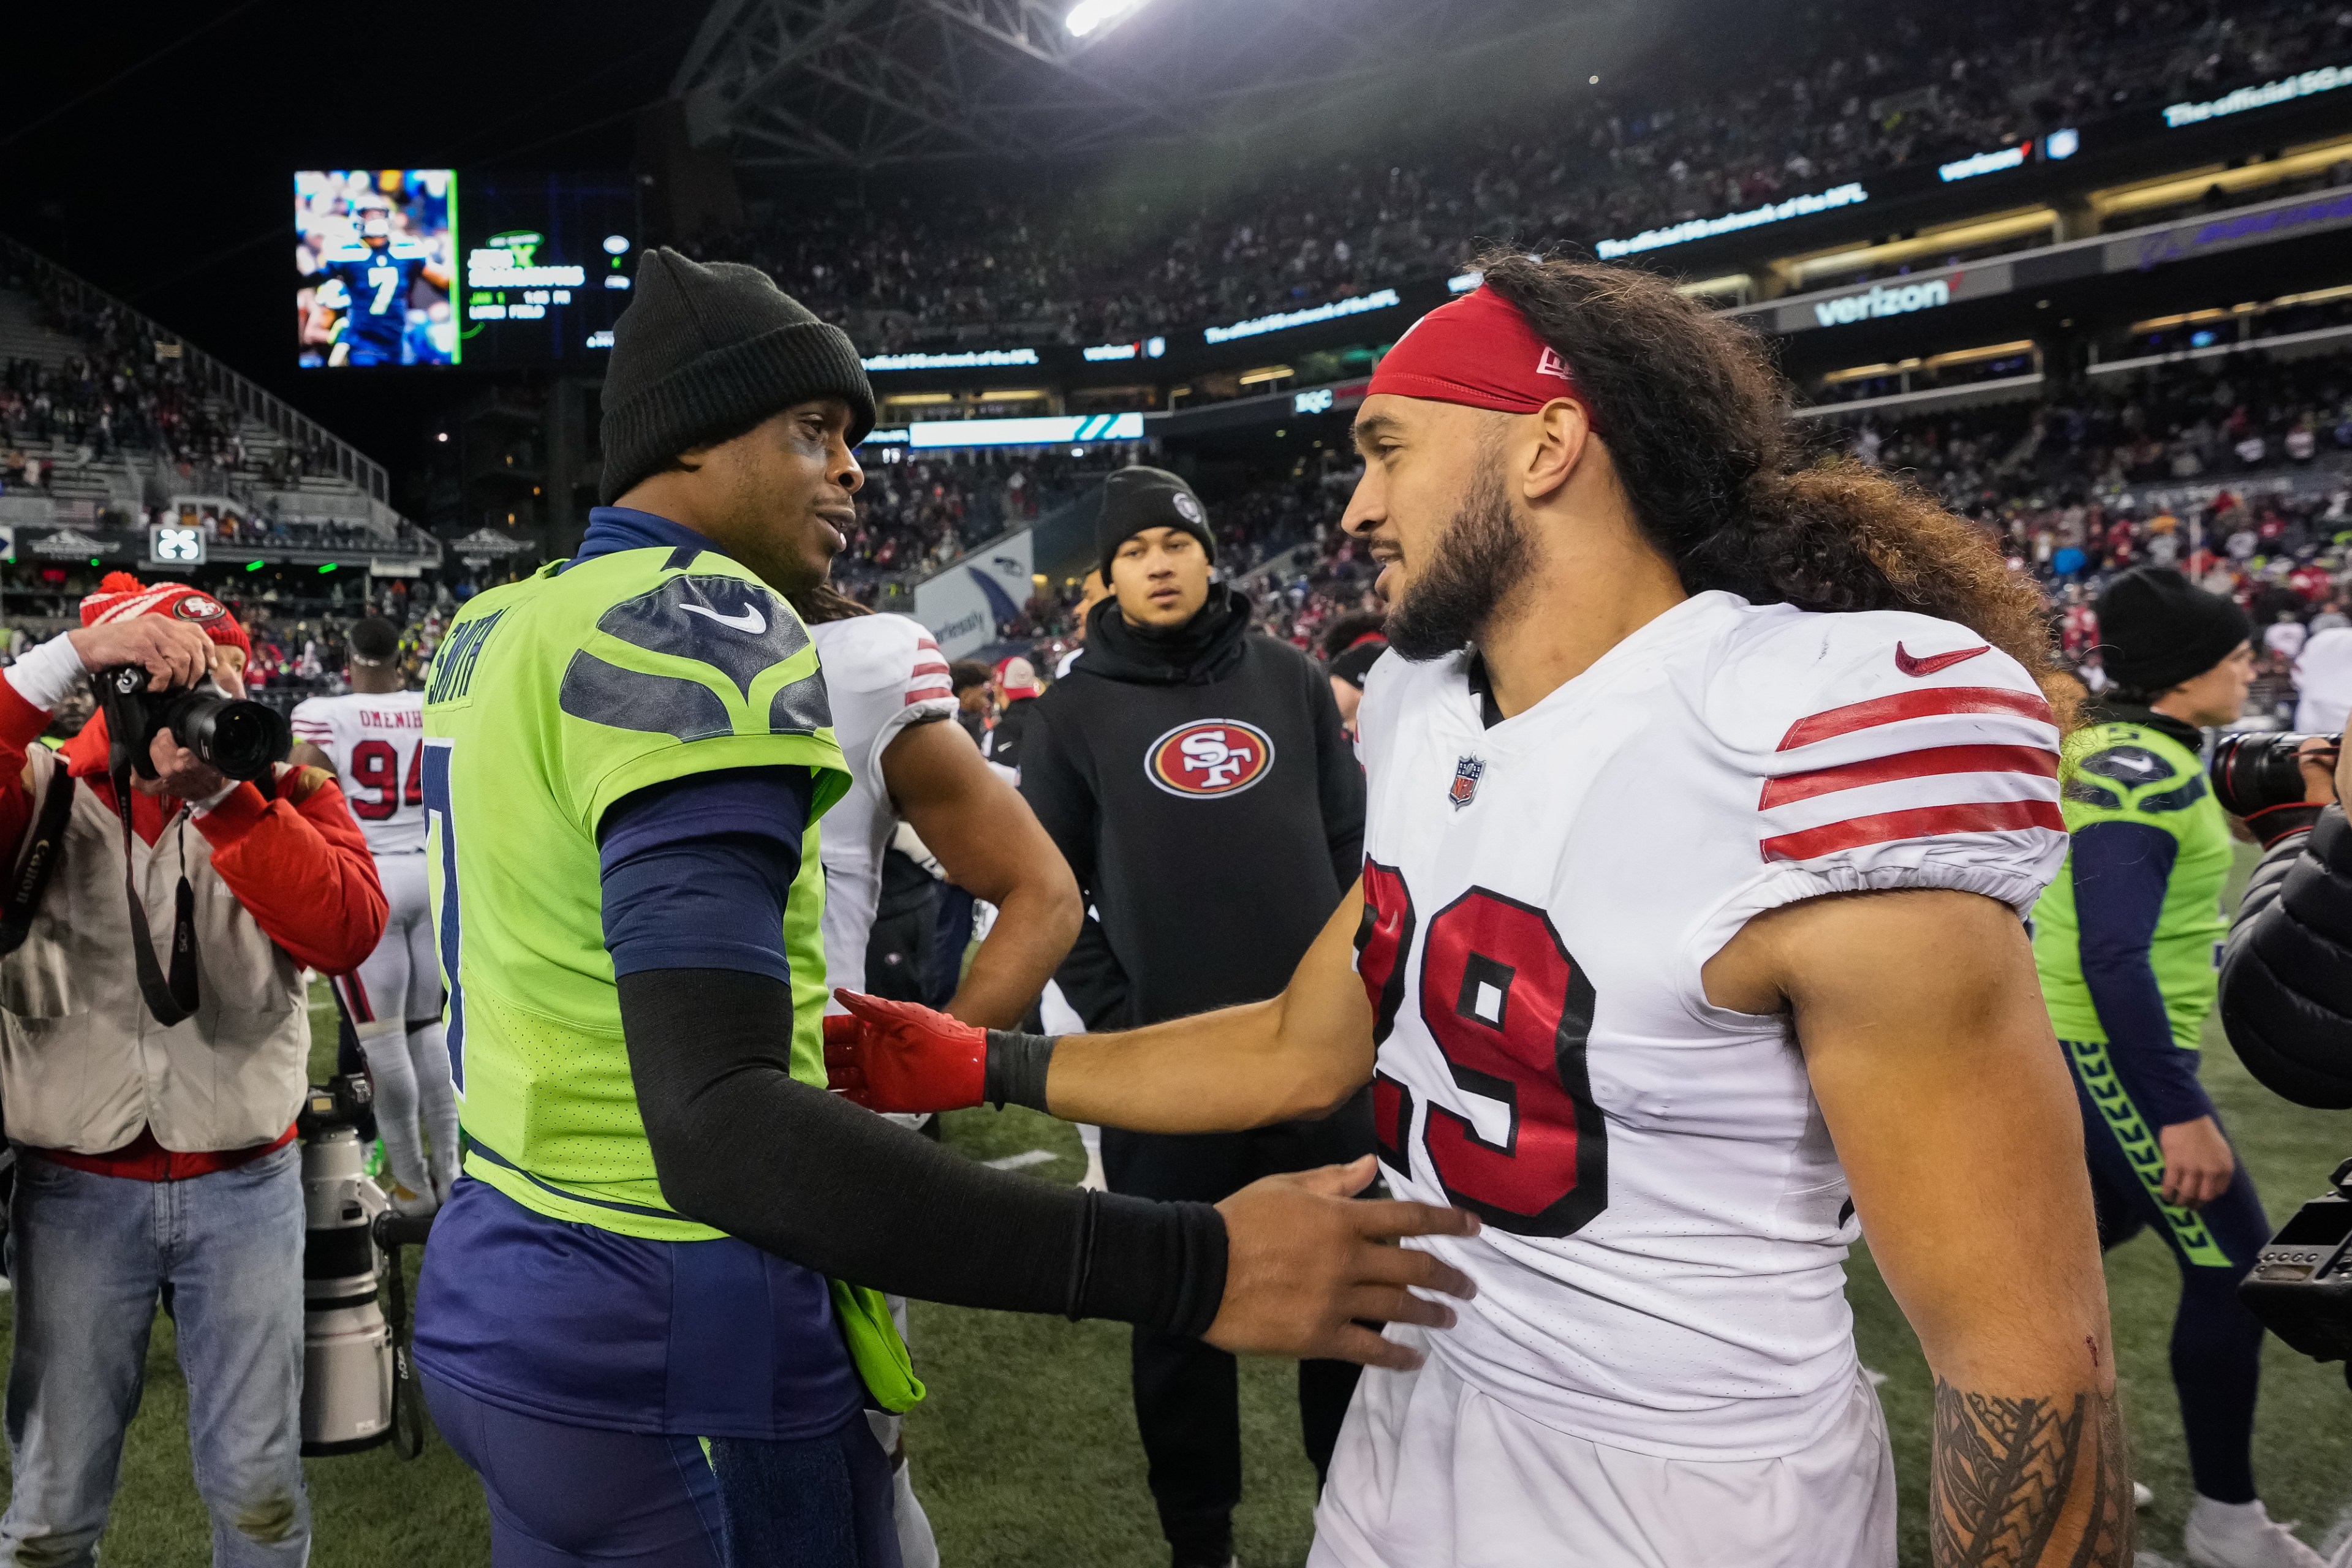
x: 862, y: 84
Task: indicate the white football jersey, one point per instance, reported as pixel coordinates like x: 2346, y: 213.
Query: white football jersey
x: 377, y: 742
x: 1666, y: 1219
x: 882, y: 673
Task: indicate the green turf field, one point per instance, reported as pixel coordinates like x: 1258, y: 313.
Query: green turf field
x: 1025, y: 1451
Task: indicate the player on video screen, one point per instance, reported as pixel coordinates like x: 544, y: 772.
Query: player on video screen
x: 378, y: 270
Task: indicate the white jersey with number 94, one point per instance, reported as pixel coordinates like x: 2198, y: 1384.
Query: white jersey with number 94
x: 377, y: 745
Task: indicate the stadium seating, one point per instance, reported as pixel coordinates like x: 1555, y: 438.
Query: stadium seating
x: 97, y: 400
x: 917, y: 515
x: 958, y: 265
x: 2242, y: 462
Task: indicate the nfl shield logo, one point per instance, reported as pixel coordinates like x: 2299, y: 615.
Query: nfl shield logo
x: 1465, y: 780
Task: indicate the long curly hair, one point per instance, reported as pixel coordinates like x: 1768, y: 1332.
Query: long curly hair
x: 1695, y: 417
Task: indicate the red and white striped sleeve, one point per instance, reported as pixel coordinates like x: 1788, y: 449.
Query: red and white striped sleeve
x: 927, y: 674
x: 884, y: 673
x: 314, y: 721
x: 1892, y: 750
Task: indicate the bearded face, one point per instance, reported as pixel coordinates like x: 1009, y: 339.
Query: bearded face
x: 1481, y: 556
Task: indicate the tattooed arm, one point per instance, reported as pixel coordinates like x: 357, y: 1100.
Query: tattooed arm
x: 1955, y: 1119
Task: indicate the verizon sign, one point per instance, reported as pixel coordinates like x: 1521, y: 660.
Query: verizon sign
x: 1876, y: 301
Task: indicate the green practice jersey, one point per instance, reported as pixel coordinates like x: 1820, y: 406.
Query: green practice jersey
x: 549, y: 700
x: 2123, y: 772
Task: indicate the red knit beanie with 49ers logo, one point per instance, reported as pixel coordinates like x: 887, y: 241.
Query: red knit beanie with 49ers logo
x: 122, y: 596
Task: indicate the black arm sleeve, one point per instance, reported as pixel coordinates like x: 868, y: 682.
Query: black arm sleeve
x: 741, y: 1145
x: 2286, y: 970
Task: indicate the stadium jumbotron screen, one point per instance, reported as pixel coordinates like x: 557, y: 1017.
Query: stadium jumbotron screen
x: 534, y: 272
x: 375, y: 249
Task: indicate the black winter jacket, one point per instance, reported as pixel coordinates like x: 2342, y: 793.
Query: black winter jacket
x: 2286, y: 970
x: 1003, y: 747
x: 1203, y: 792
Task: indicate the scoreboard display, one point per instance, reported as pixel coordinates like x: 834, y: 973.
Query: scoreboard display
x: 549, y: 261
x: 438, y: 266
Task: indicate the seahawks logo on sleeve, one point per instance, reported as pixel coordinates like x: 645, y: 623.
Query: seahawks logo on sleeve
x: 737, y: 631
x: 2132, y: 768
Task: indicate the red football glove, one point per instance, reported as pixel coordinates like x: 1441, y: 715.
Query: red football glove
x: 897, y: 1056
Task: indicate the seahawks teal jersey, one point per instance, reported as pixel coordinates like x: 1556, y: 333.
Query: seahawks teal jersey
x: 549, y: 700
x: 2119, y: 772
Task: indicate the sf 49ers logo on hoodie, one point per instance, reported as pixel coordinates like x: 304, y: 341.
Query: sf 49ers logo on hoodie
x: 1209, y: 757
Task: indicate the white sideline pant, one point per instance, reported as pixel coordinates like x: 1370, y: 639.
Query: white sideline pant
x: 916, y: 1546
x: 393, y: 999
x: 1432, y: 1473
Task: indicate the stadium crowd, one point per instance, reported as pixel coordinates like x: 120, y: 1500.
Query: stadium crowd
x: 2177, y: 425
x: 2180, y: 466
x: 1857, y: 91
x: 117, y: 396
x: 123, y: 392
x: 2080, y: 485
x: 918, y: 511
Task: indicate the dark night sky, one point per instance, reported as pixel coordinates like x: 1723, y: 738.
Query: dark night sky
x: 150, y: 146
x: 172, y: 185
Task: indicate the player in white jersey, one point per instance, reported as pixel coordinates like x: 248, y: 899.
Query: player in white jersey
x: 1707, y: 789
x: 373, y: 739
x: 888, y: 683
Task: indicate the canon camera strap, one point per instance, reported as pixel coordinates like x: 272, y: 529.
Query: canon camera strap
x: 175, y: 1000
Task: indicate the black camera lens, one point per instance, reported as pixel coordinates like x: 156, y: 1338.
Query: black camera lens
x: 241, y: 740
x: 2252, y: 772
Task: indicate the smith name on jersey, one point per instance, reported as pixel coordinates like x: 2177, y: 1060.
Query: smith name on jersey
x: 1666, y: 1218
x: 377, y: 743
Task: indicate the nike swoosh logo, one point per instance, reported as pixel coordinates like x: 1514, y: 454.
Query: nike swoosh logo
x: 1934, y: 661
x: 754, y: 622
x: 2136, y: 764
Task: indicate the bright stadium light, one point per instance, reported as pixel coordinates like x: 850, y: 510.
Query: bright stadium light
x: 1091, y: 16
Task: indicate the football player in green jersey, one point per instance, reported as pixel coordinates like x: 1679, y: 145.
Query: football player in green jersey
x: 669, y: 1237
x: 2127, y: 940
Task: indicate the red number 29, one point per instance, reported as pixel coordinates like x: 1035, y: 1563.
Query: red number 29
x: 376, y: 766
x: 1512, y: 1013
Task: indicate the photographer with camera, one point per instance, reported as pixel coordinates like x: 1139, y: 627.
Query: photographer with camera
x: 2124, y: 940
x: 2284, y: 1002
x: 151, y: 1099
x: 2287, y: 1007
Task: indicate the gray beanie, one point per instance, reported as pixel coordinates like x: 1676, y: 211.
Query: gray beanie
x: 703, y: 353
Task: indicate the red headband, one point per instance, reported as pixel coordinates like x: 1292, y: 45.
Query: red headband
x: 1480, y: 351
x: 122, y: 596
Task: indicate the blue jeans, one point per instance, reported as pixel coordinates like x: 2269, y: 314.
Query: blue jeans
x: 90, y: 1256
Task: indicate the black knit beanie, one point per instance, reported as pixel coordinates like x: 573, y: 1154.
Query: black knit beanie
x: 703, y: 353
x: 1353, y: 664
x: 1134, y: 499
x: 2157, y: 629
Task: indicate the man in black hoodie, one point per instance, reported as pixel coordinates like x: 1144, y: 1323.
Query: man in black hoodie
x: 1198, y: 781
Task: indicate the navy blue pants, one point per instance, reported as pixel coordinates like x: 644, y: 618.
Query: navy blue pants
x: 2217, y: 1344
x: 570, y: 1496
